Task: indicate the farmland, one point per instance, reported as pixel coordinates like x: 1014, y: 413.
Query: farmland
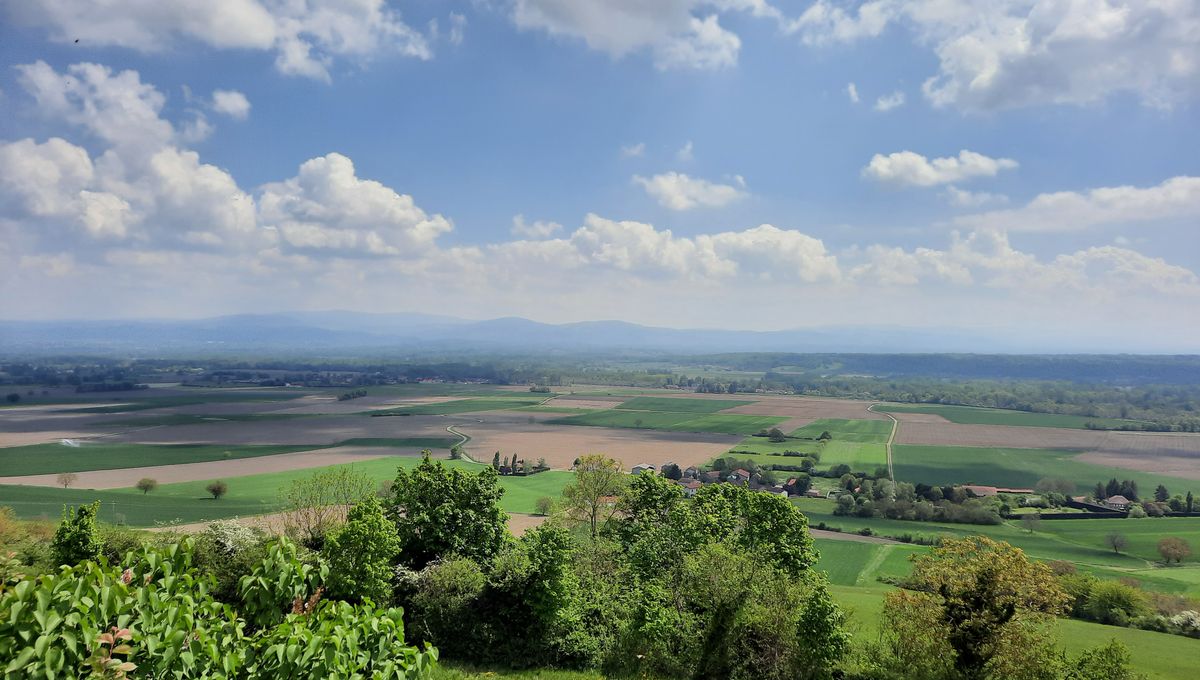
x: 673, y: 422
x: 680, y: 404
x: 974, y: 415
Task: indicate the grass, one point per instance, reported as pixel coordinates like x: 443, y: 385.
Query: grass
x: 1142, y: 534
x: 1015, y: 468
x: 680, y: 405
x: 472, y: 405
x: 672, y: 422
x: 248, y: 495
x: 850, y: 563
x: 848, y: 430
x: 975, y: 415
x: 39, y: 459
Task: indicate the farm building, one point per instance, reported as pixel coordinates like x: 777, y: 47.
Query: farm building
x: 1117, y: 502
x: 642, y: 467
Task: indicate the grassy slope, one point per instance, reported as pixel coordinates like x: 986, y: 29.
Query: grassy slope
x: 680, y: 405
x: 674, y: 422
x: 249, y: 495
x: 41, y: 459
x: 857, y: 443
x: 974, y: 415
x: 1015, y: 467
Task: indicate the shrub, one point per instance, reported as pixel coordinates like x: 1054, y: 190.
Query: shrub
x: 217, y: 489
x: 361, y: 554
x: 77, y: 539
x: 146, y: 485
x: 278, y: 583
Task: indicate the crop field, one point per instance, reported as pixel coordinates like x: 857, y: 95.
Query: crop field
x: 248, y: 495
x: 974, y: 415
x: 672, y: 422
x: 473, y: 405
x: 134, y: 402
x: 1015, y: 468
x: 681, y: 404
x: 850, y: 563
x: 858, y: 443
x: 844, y: 430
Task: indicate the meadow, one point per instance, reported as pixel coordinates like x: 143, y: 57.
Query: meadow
x: 977, y: 415
x: 847, y: 430
x: 681, y: 404
x: 1018, y: 468
x: 471, y: 405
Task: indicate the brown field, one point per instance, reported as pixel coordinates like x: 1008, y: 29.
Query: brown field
x: 560, y: 446
x: 1184, y: 466
x: 583, y: 403
x: 329, y: 430
x: 801, y: 411
x: 1001, y: 436
x: 191, y: 472
x: 920, y: 418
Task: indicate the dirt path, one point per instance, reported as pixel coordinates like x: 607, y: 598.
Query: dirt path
x: 891, y: 438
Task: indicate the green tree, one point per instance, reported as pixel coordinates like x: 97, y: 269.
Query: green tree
x: 1116, y: 541
x: 362, y: 553
x: 496, y: 461
x: 1161, y: 494
x: 544, y: 506
x: 590, y: 498
x: 1031, y: 521
x: 1098, y: 492
x: 439, y: 511
x: 1190, y: 503
x: 1110, y: 662
x: 76, y: 539
x: 217, y: 489
x: 147, y: 484
x: 776, y: 435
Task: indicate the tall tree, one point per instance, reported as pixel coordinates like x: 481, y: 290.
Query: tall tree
x: 1191, y: 502
x: 439, y: 511
x: 361, y: 554
x: 77, y: 539
x: 1161, y: 494
x: 590, y: 498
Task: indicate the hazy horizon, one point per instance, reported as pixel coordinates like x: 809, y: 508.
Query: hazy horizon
x: 688, y: 164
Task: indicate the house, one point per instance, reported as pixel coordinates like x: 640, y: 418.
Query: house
x: 711, y: 477
x: 981, y: 491
x: 814, y: 493
x: 690, y: 488
x: 1117, y: 502
x: 642, y: 467
x: 738, y: 476
x: 692, y: 472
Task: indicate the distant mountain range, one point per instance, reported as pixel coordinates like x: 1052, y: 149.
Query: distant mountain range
x: 356, y: 332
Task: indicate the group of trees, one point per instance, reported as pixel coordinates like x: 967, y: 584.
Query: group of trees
x: 920, y: 502
x: 1122, y: 603
x: 511, y: 465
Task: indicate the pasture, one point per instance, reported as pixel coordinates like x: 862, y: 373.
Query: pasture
x: 681, y: 404
x: 847, y: 430
x: 472, y: 405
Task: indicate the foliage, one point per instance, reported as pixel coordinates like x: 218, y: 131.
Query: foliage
x: 544, y: 505
x: 217, y: 489
x: 361, y: 555
x: 147, y: 484
x: 77, y: 539
x: 440, y: 512
x: 589, y: 499
x: 1174, y: 548
x: 278, y: 582
x: 314, y: 506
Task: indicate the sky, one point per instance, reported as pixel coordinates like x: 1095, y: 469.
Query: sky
x: 1019, y: 167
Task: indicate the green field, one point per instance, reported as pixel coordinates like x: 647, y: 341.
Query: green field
x: 248, y: 495
x: 472, y: 405
x: 1020, y: 468
x: 673, y: 422
x: 41, y: 459
x: 974, y: 415
x: 848, y: 430
x: 1143, y: 534
x: 850, y: 563
x: 681, y: 404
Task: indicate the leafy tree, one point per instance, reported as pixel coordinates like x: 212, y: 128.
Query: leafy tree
x: 980, y: 607
x: 217, y: 489
x: 671, y: 471
x: 1110, y: 662
x: 147, y: 484
x: 1174, y: 548
x: 776, y: 435
x: 496, y: 461
x: 282, y: 581
x: 66, y: 479
x: 824, y: 436
x: 361, y: 554
x: 1190, y: 502
x: 1116, y: 541
x: 77, y: 539
x: 1031, y: 521
x: 440, y: 511
x: 1161, y: 494
x: 544, y: 506
x: 589, y: 498
x: 314, y: 506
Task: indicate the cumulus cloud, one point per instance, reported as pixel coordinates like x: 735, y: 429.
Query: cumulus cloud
x: 852, y: 92
x: 306, y: 36
x: 458, y: 28
x: 534, y: 230
x: 1002, y: 54
x: 686, y: 153
x: 962, y: 198
x: 888, y: 102
x: 327, y: 207
x: 908, y: 168
x: 1175, y: 198
x: 671, y: 30
x: 634, y: 150
x: 231, y: 103
x: 678, y: 191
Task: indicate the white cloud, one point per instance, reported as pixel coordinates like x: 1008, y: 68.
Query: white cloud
x: 327, y: 207
x: 634, y: 150
x: 678, y: 191
x: 972, y: 199
x: 670, y: 29
x: 999, y: 54
x: 534, y: 230
x: 458, y: 28
x: 852, y: 92
x: 306, y: 36
x: 891, y: 101
x: 1175, y: 198
x: 686, y: 153
x: 908, y: 168
x: 231, y: 103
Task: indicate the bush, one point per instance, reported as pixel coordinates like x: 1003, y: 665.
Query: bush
x: 217, y: 489
x: 361, y: 555
x: 77, y: 539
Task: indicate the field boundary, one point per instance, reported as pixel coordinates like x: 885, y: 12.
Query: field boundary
x: 891, y: 438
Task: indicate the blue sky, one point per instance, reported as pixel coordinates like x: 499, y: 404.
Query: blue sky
x: 1023, y: 166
